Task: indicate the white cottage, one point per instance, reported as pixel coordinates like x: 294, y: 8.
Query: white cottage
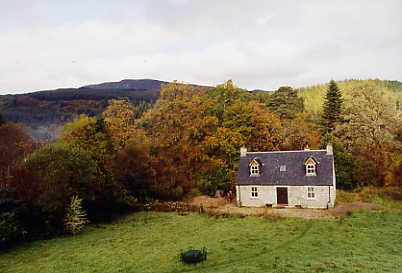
x: 287, y: 178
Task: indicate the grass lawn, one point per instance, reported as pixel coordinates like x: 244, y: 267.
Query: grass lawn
x: 367, y: 241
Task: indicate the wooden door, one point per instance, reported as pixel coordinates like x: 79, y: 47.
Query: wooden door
x: 282, y: 196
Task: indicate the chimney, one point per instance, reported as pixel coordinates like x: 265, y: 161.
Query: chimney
x: 243, y: 151
x: 307, y: 148
x: 330, y: 150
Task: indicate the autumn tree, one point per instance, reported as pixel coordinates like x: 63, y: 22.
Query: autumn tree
x: 15, y: 145
x: 133, y: 168
x: 300, y: 133
x: 366, y: 129
x: 119, y: 118
x: 89, y: 134
x: 332, y: 108
x: 177, y: 127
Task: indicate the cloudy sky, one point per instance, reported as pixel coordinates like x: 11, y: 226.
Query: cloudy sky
x: 48, y: 44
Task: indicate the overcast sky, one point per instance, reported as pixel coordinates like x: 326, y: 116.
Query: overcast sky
x: 48, y: 44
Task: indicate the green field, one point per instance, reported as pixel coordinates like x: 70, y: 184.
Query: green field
x: 366, y: 241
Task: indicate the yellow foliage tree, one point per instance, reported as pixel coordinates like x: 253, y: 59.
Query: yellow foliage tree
x: 119, y: 118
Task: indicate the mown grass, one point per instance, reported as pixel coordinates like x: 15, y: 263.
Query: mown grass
x: 367, y: 241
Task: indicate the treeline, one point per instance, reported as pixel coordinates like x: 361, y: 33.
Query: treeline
x: 41, y: 111
x: 187, y: 144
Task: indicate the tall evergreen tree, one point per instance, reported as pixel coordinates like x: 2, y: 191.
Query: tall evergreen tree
x: 332, y: 108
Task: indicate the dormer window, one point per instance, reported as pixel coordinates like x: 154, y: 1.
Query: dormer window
x: 310, y: 169
x: 311, y: 166
x: 254, y: 168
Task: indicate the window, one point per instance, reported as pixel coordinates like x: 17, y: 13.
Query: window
x: 310, y: 169
x: 254, y: 192
x: 310, y: 193
x: 283, y: 168
x: 254, y: 170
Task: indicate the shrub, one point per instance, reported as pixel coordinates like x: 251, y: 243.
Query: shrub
x: 76, y: 217
x: 10, y: 226
x: 209, y: 184
x: 10, y: 229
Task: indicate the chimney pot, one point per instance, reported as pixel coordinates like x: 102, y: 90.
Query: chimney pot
x: 330, y: 149
x: 243, y: 151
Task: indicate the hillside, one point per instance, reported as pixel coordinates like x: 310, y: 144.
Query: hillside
x: 44, y: 111
x: 314, y: 95
x: 146, y: 84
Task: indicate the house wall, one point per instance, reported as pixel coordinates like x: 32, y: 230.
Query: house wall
x: 297, y: 195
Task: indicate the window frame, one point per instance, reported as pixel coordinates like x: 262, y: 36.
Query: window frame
x: 311, y: 193
x: 311, y: 167
x: 254, y: 192
x: 254, y: 169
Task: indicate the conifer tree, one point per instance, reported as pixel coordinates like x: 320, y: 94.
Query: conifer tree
x: 332, y: 108
x: 76, y: 217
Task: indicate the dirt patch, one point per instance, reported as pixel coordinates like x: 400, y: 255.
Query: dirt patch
x: 209, y: 202
x: 222, y: 206
x: 344, y: 209
x: 280, y: 212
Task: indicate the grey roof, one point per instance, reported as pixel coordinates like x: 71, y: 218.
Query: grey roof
x: 294, y: 175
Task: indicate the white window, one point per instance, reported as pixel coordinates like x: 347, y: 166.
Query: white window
x: 310, y: 169
x: 254, y: 170
x: 254, y: 192
x: 310, y: 193
x: 283, y: 168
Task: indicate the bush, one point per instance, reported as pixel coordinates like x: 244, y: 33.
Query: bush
x: 10, y: 229
x: 209, y: 184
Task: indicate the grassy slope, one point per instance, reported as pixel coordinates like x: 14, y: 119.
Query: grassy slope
x: 314, y: 95
x: 369, y: 241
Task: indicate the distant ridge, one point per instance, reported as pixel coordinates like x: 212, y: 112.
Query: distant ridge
x: 144, y: 84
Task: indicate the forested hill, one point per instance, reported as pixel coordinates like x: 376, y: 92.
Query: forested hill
x: 44, y: 111
x: 146, y: 84
x: 314, y: 95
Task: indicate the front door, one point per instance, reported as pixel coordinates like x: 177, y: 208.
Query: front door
x: 282, y: 196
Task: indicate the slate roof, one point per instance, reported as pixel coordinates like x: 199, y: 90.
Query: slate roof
x: 294, y: 175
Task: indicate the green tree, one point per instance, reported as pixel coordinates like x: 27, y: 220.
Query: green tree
x: 63, y: 171
x: 344, y: 168
x: 332, y: 108
x: 286, y: 103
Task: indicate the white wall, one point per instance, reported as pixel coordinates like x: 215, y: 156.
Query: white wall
x: 297, y: 195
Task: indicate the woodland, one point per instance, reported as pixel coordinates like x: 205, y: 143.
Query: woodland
x: 187, y: 143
